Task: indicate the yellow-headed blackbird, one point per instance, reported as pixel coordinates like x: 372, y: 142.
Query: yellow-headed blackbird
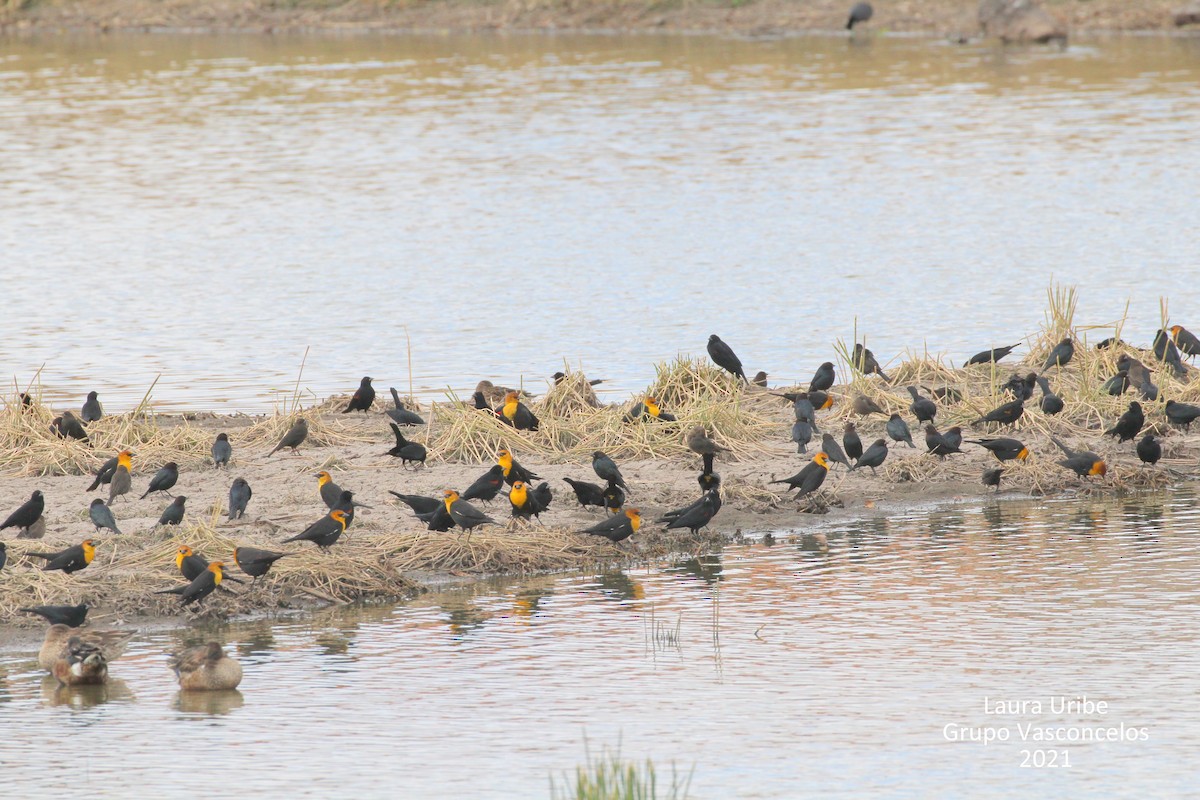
x: 897, y: 430
x: 400, y: 414
x: 1166, y: 352
x: 68, y: 426
x: 102, y: 517
x: 515, y: 413
x: 861, y: 12
x: 865, y: 406
x: 346, y: 505
x: 222, y: 450
x: 1006, y: 414
x: 363, y: 397
x: 486, y: 486
x: 1149, y: 450
x: 71, y: 616
x: 164, y: 479
x: 873, y: 456
x: 707, y: 478
x: 1182, y: 414
x: 864, y: 361
x: 724, y: 357
x: 588, y: 494
x: 206, y: 668
x: 464, y: 514
x: 760, y: 379
x: 1004, y: 448
x: 991, y: 356
x: 189, y: 564
x: 418, y: 503
x: 1061, y: 355
x: 324, y: 532
x: 513, y: 471
x: 699, y: 442
x: 614, y: 498
x: 802, y: 432
x: 408, y: 452
x: 991, y: 477
x: 1129, y: 424
x: 1187, y: 341
x: 1050, y: 403
x: 820, y: 400
x: 329, y: 491
x: 607, y: 469
x: 522, y: 502
x: 121, y: 481
x: 937, y: 444
x: 111, y: 643
x: 255, y: 562
x: 239, y: 497
x: 201, y: 586
x: 27, y: 513
x: 80, y: 664
x: 104, y: 474
x: 70, y: 560
x: 696, y: 515
x: 173, y: 514
x: 293, y: 438
x: 851, y: 441
x: 822, y: 380
x: 618, y: 528
x: 648, y: 407
x: 91, y: 410
x: 923, y: 408
x: 1083, y: 463
x: 810, y: 478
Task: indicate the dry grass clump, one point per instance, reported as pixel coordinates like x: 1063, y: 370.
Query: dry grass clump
x: 324, y: 430
x: 572, y: 393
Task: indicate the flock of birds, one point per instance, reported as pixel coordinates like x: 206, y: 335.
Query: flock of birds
x: 76, y: 657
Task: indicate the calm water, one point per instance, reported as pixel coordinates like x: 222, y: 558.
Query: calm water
x: 774, y: 671
x: 205, y: 208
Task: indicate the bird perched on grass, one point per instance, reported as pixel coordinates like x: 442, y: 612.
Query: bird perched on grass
x: 873, y: 456
x: 1061, y: 354
x: 861, y: 12
x: 80, y: 664
x: 1179, y: 414
x: 222, y: 450
x: 897, y: 430
x: 362, y: 398
x: 293, y: 438
x: 122, y: 479
x: 515, y: 413
x: 648, y: 408
x: 1129, y: 424
x: 173, y: 514
x: 1083, y: 463
x: 27, y: 513
x: 1004, y: 448
x: 400, y: 414
x: 1187, y: 342
x: 810, y: 478
x: 102, y: 517
x: 865, y: 362
x: 513, y: 471
x: 1165, y: 351
x: 1005, y: 414
x: 68, y: 426
x: 419, y: 503
x: 607, y: 470
x: 206, y: 668
x: 760, y: 379
x: 617, y: 528
x: 408, y: 452
x: 201, y: 586
x: 73, y: 559
x: 324, y: 532
x: 164, y: 480
x: 588, y: 494
x: 91, y: 410
x: 486, y: 486
x: 1117, y: 385
x: 71, y: 616
x: 1149, y: 450
x: 823, y: 378
x: 1021, y: 388
x: 255, y: 562
x: 991, y: 356
x: 923, y: 408
x: 724, y: 357
x: 239, y: 498
x: 465, y: 515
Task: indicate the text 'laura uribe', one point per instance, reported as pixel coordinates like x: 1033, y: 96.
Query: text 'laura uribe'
x: 1011, y: 722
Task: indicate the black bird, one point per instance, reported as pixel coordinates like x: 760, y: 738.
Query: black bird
x: 294, y: 437
x: 27, y: 513
x: 102, y: 517
x: 202, y: 586
x: 164, y: 479
x: 695, y: 516
x: 588, y: 494
x: 803, y: 409
x: 823, y: 379
x: 991, y: 356
x: 946, y: 394
x: 1148, y: 391
x: 104, y: 474
x: 173, y: 514
x: 614, y: 498
x: 922, y: 407
x: 1182, y: 414
x: 70, y: 560
x: 346, y: 505
x: 408, y: 452
x: 802, y: 431
x: 255, y: 562
x: 1110, y: 342
x: 810, y: 477
x: 239, y: 497
x: 543, y: 495
x: 1189, y: 345
x: 91, y: 410
x: 607, y: 470
x: 1021, y: 388
x: 1061, y: 355
x: 1129, y: 424
x: 1166, y: 352
x: 401, y: 415
x: 864, y: 361
x: 486, y: 486
x: 1050, y: 403
x: 860, y: 13
x: 419, y: 503
x: 1116, y: 385
x: 937, y: 444
x: 873, y: 456
x: 852, y: 442
x: 708, y: 479
x: 619, y: 527
x: 3, y: 554
x: 363, y: 397
x: 820, y: 400
x: 1149, y: 450
x: 724, y: 357
x: 1004, y: 448
x: 831, y: 448
x: 68, y: 426
x: 438, y: 520
x: 71, y: 616
x: 1083, y: 462
x: 481, y: 403
x: 522, y: 502
x: 953, y: 436
x: 222, y: 450
x: 325, y: 532
x: 897, y: 430
x: 991, y: 477
x: 1006, y: 414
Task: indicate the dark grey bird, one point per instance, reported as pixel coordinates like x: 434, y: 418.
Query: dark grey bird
x: 293, y: 438
x: 802, y: 408
x: 3, y: 554
x: 953, y: 436
x: 401, y: 415
x: 831, y: 448
x: 991, y: 356
x: 27, y: 513
x: 1149, y: 450
x: 71, y: 616
x: 873, y: 456
x: 937, y: 444
x: 1050, y: 403
x: 91, y: 410
x: 708, y: 479
x: 1006, y: 413
x: 102, y: 517
x: 588, y: 494
x: 724, y: 357
x: 1181, y: 414
x: 863, y: 406
x: 1129, y: 424
x: 1004, y: 448
x: 607, y: 470
x: 1021, y: 388
x: 68, y: 426
x: 164, y: 480
x: 851, y: 441
x: 1061, y: 355
x: 695, y: 516
x: 173, y: 514
x: 239, y: 497
x: 222, y: 450
x: 104, y: 474
x: 363, y: 397
x: 465, y: 515
x: 408, y: 452
x: 864, y: 360
x: 802, y: 432
x: 1117, y: 385
x: 614, y: 498
x: 922, y: 407
x: 420, y: 504
x: 1166, y: 352
x: 488, y: 485
x: 822, y: 380
x: 346, y: 505
x: 991, y: 477
x: 542, y: 496
x: 897, y: 430
x: 861, y: 12
x: 759, y: 379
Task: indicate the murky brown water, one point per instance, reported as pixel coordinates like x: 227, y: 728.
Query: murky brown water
x: 207, y: 207
x: 793, y: 670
